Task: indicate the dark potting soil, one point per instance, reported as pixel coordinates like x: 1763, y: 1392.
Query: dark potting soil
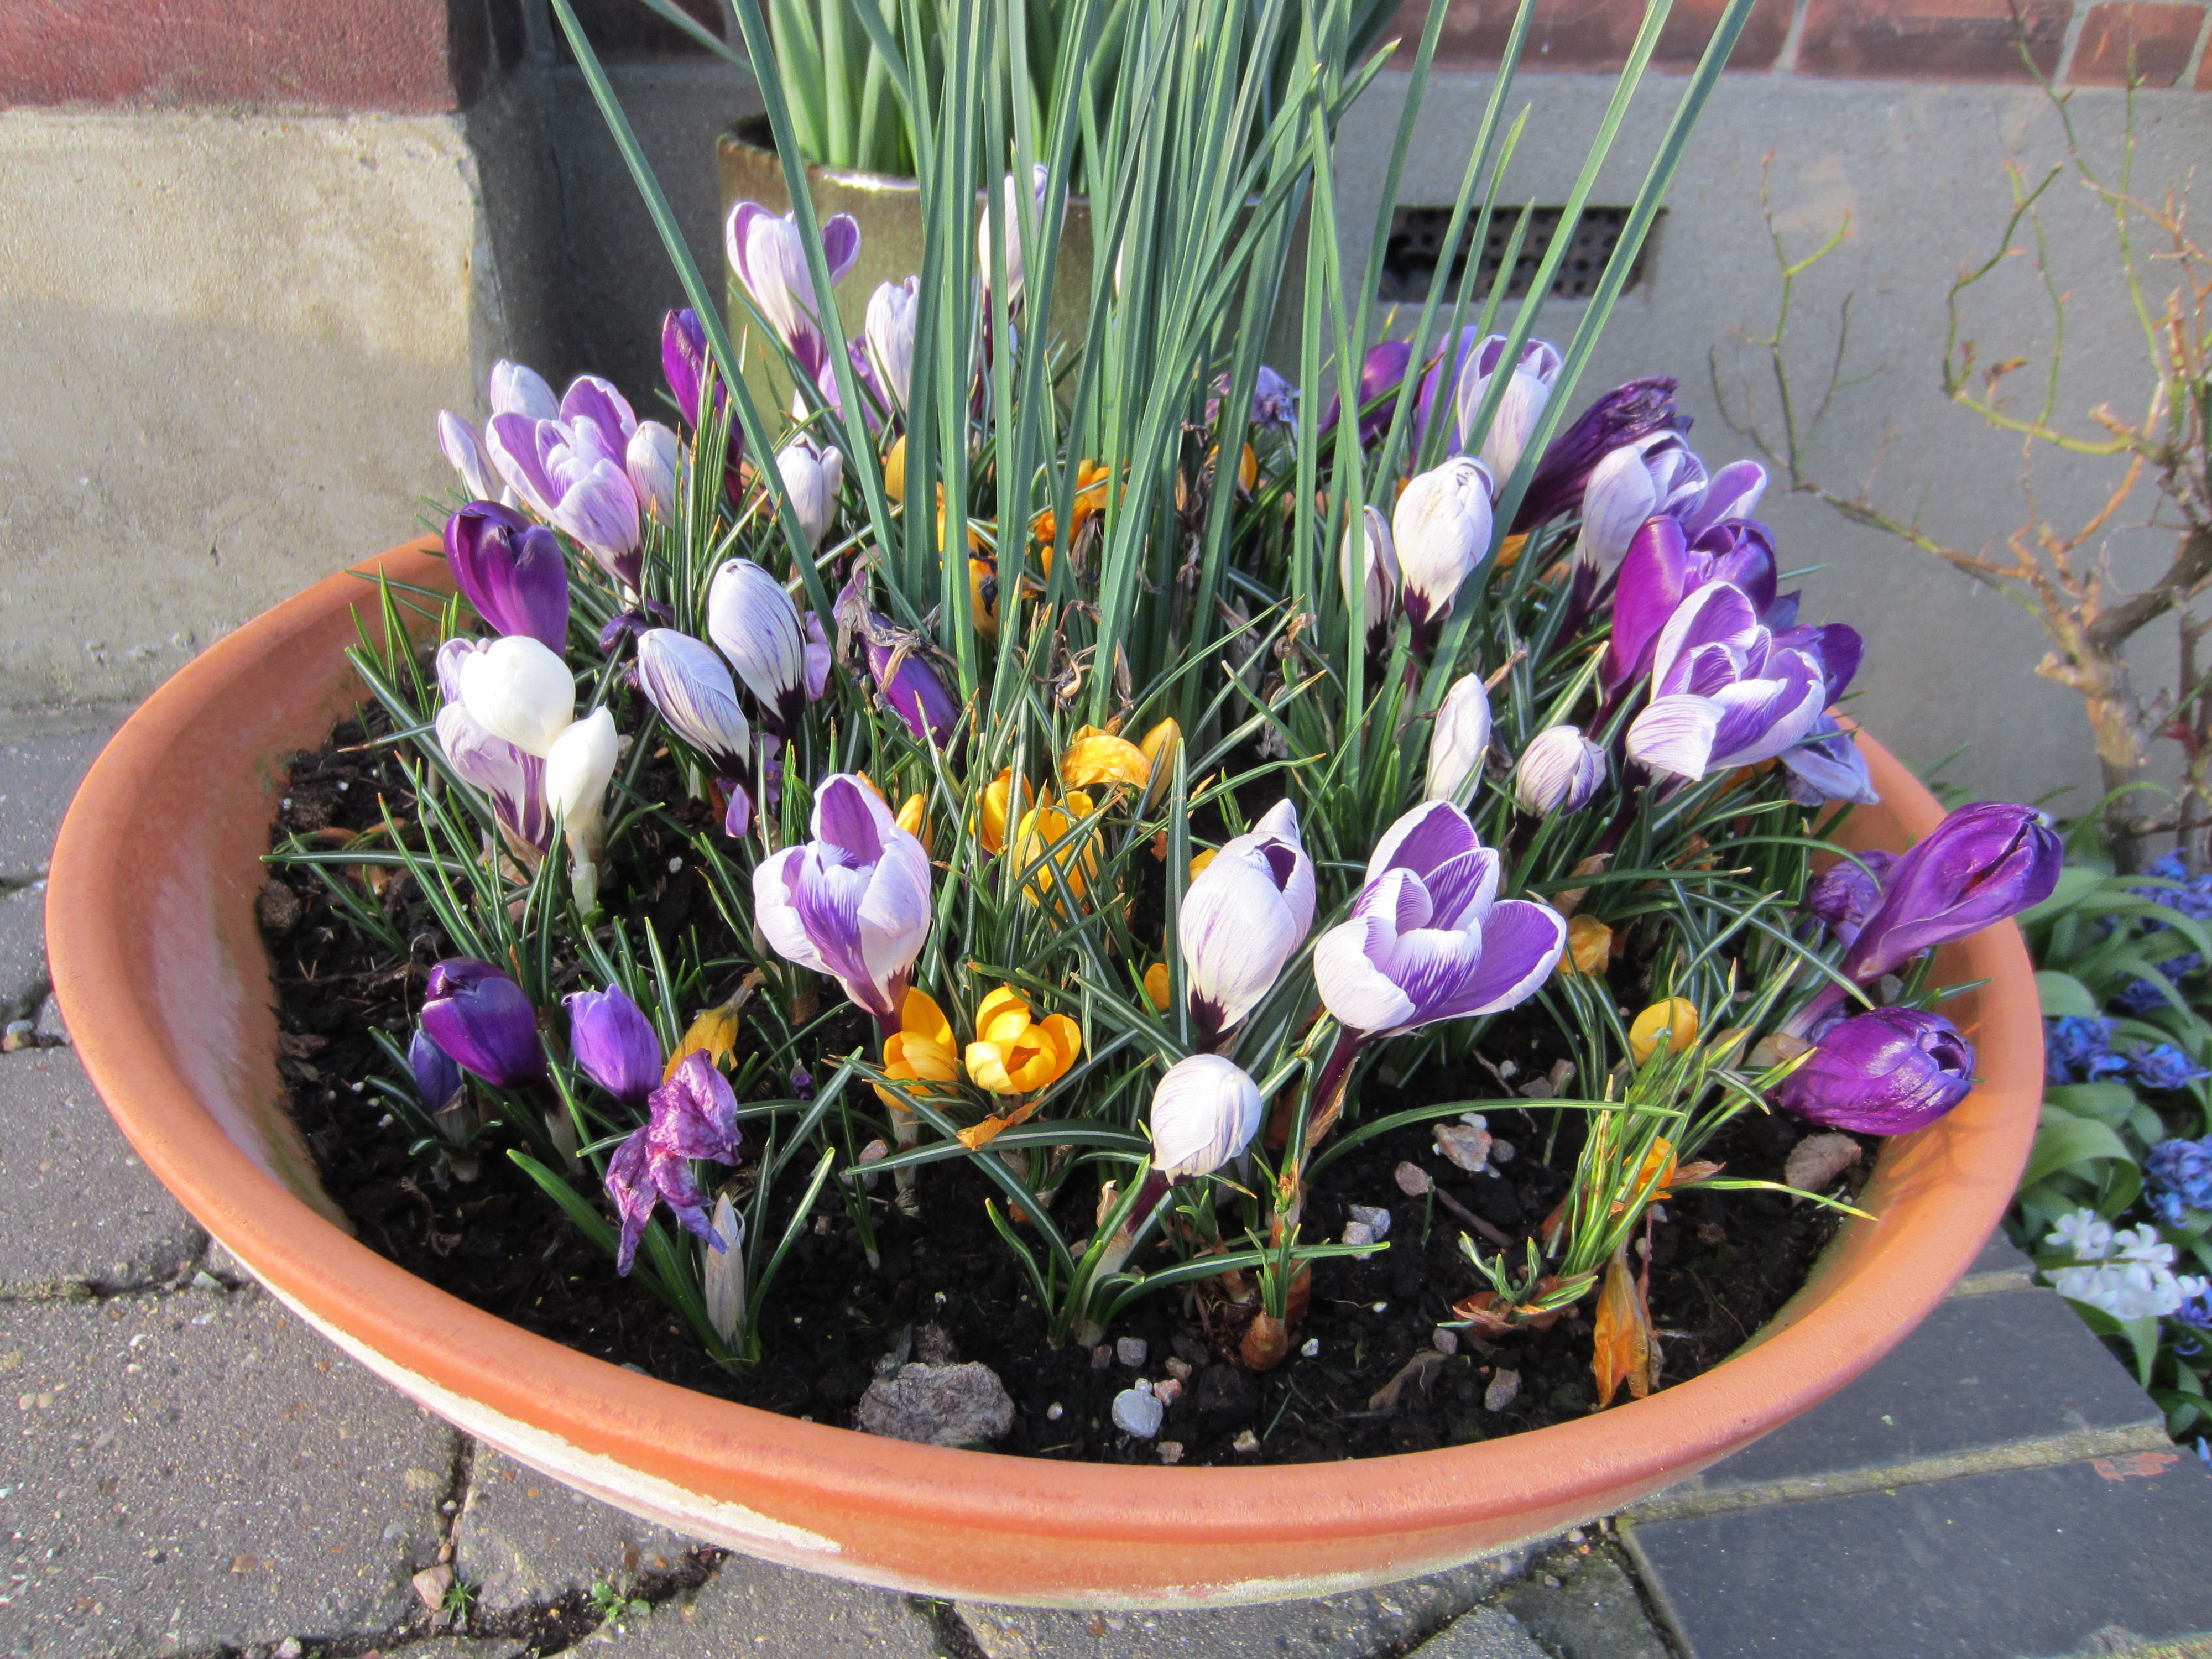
x: 1722, y: 1263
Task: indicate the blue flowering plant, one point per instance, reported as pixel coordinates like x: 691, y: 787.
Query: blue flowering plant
x: 2116, y: 1201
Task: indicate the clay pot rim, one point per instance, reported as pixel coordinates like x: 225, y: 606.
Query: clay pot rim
x: 1896, y: 1270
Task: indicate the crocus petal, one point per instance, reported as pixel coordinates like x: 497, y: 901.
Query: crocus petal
x: 465, y: 449
x: 1521, y: 945
x: 592, y: 398
x: 1460, y: 741
x: 1352, y: 987
x: 1205, y: 1112
x: 613, y: 1044
x: 516, y: 390
x: 1675, y: 735
x: 753, y: 621
x: 518, y: 689
x: 651, y: 462
x: 689, y: 684
x: 1760, y: 719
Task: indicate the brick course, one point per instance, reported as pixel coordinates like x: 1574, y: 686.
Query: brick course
x: 2164, y: 39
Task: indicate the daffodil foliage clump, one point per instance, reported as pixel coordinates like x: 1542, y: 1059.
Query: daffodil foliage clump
x: 1102, y: 753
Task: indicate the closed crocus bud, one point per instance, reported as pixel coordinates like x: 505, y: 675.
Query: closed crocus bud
x: 512, y: 778
x: 854, y: 902
x: 464, y: 447
x: 753, y: 621
x: 519, y: 690
x: 915, y: 692
x: 1160, y: 747
x: 1460, y: 740
x: 894, y: 309
x: 511, y: 572
x: 1983, y: 863
x: 480, y: 1018
x: 1848, y: 893
x: 1205, y: 1112
x: 437, y: 1080
x: 1010, y: 207
x: 812, y: 474
x: 1527, y: 391
x: 683, y: 363
x: 1440, y: 531
x: 614, y: 1043
x: 1885, y: 1073
x: 1243, y: 918
x: 691, y: 688
x: 1382, y: 370
x: 1369, y: 560
x: 577, y: 770
x: 1558, y: 772
x: 653, y: 461
x: 769, y: 258
x: 516, y: 390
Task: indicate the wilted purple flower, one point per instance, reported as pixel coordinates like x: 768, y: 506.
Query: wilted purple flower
x: 1381, y: 371
x: 1526, y: 392
x: 437, y: 1080
x: 1885, y: 1072
x: 1625, y: 416
x: 1440, y: 531
x: 1243, y: 918
x: 480, y: 1018
x: 572, y: 471
x: 1663, y: 567
x: 2078, y: 1048
x: 2179, y: 1175
x: 1982, y: 863
x: 614, y: 1043
x: 511, y: 571
x: 1428, y: 938
x: 464, y: 447
x: 1724, y: 691
x: 1848, y: 892
x: 1275, y: 402
x: 915, y: 691
x: 512, y: 778
x: 818, y: 659
x: 2162, y: 1066
x: 753, y: 621
x: 692, y: 688
x: 854, y: 902
x: 1826, y: 765
x: 769, y: 258
x: 692, y: 1115
x: 1558, y: 772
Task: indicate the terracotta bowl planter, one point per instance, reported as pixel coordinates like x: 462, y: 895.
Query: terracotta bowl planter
x: 163, y: 978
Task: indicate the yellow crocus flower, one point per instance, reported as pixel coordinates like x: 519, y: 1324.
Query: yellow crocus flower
x: 1674, y: 1020
x: 1094, y: 756
x: 993, y: 805
x: 1014, y: 1052
x: 921, y: 1052
x: 1043, y: 829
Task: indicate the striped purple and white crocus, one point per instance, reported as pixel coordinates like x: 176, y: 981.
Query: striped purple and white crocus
x: 1725, y: 690
x: 770, y: 257
x: 853, y: 903
x: 572, y: 469
x: 1243, y: 918
x: 1428, y: 938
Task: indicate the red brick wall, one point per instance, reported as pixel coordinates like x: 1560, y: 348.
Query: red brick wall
x: 2083, y: 42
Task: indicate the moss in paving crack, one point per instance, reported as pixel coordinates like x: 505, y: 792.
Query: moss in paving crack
x: 954, y: 1638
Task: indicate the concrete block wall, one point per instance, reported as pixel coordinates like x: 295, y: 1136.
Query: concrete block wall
x: 260, y: 242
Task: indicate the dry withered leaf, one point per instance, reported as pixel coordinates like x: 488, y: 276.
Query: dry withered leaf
x: 1817, y: 1160
x: 1419, y: 1371
x: 1623, y: 1348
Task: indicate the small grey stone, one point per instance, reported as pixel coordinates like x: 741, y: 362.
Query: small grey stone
x: 937, y: 1404
x: 1131, y: 1351
x: 278, y: 909
x: 17, y: 1034
x: 1138, y: 1412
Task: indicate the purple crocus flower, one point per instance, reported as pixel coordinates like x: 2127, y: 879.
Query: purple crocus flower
x: 437, y: 1080
x: 574, y: 472
x: 1664, y: 566
x: 1243, y: 918
x: 684, y: 361
x: 518, y: 389
x: 1382, y: 370
x: 769, y: 258
x: 1625, y: 416
x: 692, y: 1115
x: 1982, y: 863
x: 614, y: 1043
x: 1275, y: 402
x: 512, y: 778
x: 1428, y: 937
x: 1724, y: 691
x: 1888, y: 1072
x: 1827, y: 766
x: 511, y: 571
x: 1847, y: 893
x: 480, y: 1017
x: 854, y: 902
x: 914, y: 691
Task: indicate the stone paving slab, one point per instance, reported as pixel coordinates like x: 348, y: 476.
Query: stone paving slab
x: 22, y: 951
x: 2014, y: 1376
x: 2000, y: 1266
x: 1351, y: 1626
x: 44, y: 754
x: 523, y: 1537
x: 197, y: 1469
x: 2104, y: 1556
x: 752, y: 1609
x: 1486, y: 1633
x: 1581, y: 1603
x: 76, y: 1205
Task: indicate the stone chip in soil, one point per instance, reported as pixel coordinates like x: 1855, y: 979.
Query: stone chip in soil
x: 963, y: 1405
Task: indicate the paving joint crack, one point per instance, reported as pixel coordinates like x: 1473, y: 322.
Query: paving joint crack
x: 949, y: 1629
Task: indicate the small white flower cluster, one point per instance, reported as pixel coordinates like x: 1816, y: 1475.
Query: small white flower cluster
x: 2127, y: 1273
